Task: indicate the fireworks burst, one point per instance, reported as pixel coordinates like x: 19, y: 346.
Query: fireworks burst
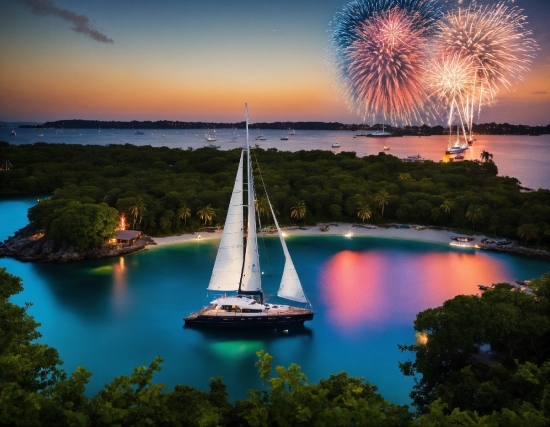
x: 497, y: 42
x: 386, y: 83
x: 386, y: 63
x: 452, y: 81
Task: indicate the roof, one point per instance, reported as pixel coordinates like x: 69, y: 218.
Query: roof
x: 127, y: 234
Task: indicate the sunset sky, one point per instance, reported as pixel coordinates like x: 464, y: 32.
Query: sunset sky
x: 201, y: 60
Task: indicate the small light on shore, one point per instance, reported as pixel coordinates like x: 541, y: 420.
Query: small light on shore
x: 422, y: 338
x: 283, y: 233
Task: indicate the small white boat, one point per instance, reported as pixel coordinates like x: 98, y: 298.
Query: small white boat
x: 386, y: 148
x: 138, y: 132
x: 40, y: 135
x: 209, y: 138
x: 335, y: 145
x: 284, y: 138
x: 464, y: 245
x: 13, y: 133
x: 260, y: 138
x: 349, y: 234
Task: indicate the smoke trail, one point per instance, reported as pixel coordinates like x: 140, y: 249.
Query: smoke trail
x: 80, y: 22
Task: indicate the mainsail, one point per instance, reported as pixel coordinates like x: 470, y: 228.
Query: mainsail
x: 252, y: 276
x: 226, y: 274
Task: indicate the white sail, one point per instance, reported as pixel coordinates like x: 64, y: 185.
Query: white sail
x: 290, y: 287
x: 252, y: 276
x: 226, y: 274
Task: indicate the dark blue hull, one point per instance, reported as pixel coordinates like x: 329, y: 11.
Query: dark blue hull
x: 249, y: 322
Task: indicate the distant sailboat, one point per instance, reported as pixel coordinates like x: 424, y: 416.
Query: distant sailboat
x: 237, y: 269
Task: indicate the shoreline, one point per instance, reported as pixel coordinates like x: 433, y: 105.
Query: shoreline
x: 427, y: 234
x: 393, y: 231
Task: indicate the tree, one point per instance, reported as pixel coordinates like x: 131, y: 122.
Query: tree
x: 84, y: 225
x: 486, y: 156
x: 446, y: 206
x: 183, y: 213
x: 291, y: 400
x: 137, y: 210
x: 517, y: 327
x: 299, y: 210
x: 474, y: 213
x: 382, y: 198
x: 206, y: 214
x: 364, y: 211
x: 528, y: 232
x: 262, y: 207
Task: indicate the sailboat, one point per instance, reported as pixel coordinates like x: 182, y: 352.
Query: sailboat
x: 237, y: 269
x: 457, y: 148
x: 380, y: 134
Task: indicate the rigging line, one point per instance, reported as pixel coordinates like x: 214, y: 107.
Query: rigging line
x: 273, y: 213
x: 270, y: 269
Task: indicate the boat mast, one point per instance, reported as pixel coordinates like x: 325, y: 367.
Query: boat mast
x: 251, y: 264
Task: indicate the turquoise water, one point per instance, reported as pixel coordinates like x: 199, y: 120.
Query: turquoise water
x: 115, y: 314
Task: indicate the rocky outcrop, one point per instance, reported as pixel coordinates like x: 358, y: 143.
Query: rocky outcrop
x: 515, y: 249
x: 26, y: 245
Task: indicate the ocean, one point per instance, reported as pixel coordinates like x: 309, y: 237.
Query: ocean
x: 523, y: 157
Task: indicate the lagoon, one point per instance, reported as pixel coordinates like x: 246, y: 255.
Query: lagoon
x: 114, y: 314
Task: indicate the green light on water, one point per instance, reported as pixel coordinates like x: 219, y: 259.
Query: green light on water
x: 237, y: 349
x: 104, y: 269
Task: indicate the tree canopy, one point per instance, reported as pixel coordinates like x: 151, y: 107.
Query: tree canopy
x: 153, y: 187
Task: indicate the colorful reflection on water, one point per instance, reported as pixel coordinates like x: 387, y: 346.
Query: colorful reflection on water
x: 375, y: 287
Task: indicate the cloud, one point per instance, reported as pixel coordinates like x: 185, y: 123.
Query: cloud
x: 80, y: 22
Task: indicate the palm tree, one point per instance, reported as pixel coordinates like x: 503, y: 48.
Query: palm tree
x: 184, y: 213
x: 447, y: 205
x: 298, y: 211
x: 206, y: 214
x: 137, y: 211
x: 474, y: 213
x: 382, y: 198
x: 262, y: 207
x: 486, y: 156
x: 363, y: 211
x: 528, y: 232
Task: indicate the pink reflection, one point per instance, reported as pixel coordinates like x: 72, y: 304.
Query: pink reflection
x: 363, y: 289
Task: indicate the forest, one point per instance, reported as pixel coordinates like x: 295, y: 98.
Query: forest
x: 454, y: 385
x: 164, y: 191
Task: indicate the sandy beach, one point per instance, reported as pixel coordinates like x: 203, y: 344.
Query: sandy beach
x: 427, y: 234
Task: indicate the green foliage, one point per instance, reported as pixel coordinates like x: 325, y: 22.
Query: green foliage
x: 452, y: 368
x: 84, y: 225
x: 151, y: 186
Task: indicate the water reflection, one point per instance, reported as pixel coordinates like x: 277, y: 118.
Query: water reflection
x: 377, y: 288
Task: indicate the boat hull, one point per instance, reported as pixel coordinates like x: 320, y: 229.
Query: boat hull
x: 247, y: 321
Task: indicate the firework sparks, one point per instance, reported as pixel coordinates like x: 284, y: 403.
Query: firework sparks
x: 451, y: 78
x: 378, y: 48
x: 386, y: 62
x: 497, y: 42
